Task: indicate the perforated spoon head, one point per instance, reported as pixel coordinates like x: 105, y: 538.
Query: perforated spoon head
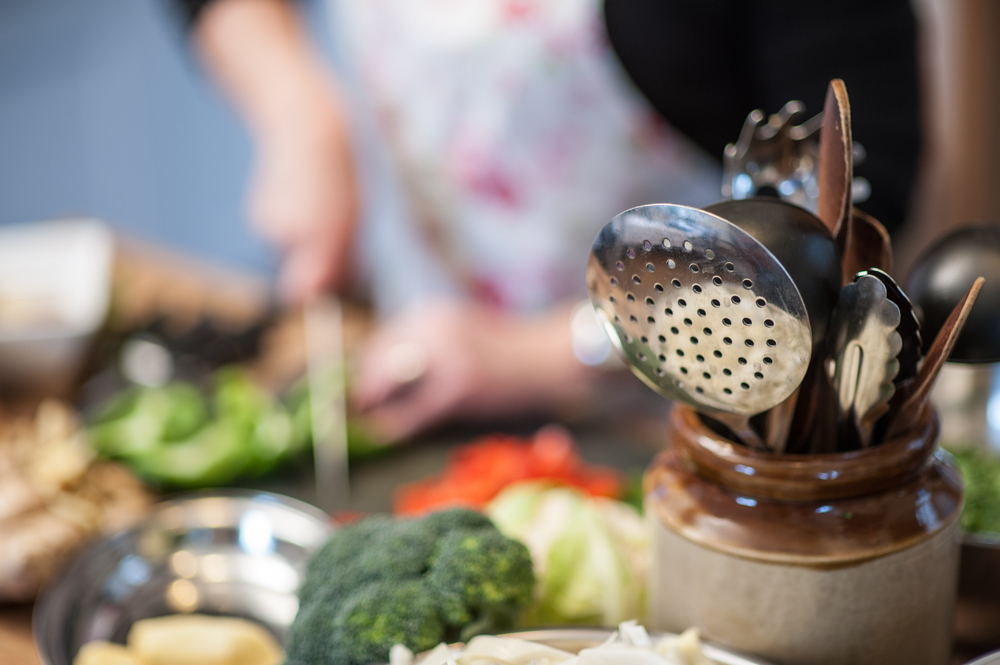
x: 702, y: 312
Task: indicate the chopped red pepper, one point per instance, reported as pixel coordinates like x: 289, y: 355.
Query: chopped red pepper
x: 477, y: 472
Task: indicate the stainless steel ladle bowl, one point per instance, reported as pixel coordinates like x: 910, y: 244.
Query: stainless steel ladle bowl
x: 702, y: 312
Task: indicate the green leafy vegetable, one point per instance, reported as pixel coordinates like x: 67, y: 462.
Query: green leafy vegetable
x: 981, y: 472
x: 176, y: 437
x: 591, y: 555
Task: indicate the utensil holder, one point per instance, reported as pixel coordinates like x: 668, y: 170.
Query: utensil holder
x: 807, y: 559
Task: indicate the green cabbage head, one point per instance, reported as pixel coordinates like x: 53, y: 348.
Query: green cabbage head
x: 591, y: 555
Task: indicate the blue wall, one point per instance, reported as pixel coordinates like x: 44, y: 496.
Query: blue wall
x: 104, y: 112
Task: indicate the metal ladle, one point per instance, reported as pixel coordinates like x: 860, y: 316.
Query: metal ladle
x: 808, y: 251
x: 940, y: 278
x: 967, y: 388
x: 800, y: 243
x: 702, y: 311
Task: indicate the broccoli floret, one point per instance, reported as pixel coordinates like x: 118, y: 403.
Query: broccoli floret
x: 361, y: 628
x: 376, y: 548
x: 312, y: 636
x: 481, y: 573
x: 445, y: 521
x: 380, y: 615
x: 348, y: 545
x: 416, y: 582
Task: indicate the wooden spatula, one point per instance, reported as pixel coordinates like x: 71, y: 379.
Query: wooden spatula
x: 914, y: 400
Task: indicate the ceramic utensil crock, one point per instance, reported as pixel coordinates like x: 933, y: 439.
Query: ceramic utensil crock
x: 807, y: 559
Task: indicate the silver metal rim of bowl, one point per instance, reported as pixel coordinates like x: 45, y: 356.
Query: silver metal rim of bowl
x: 51, y: 616
x: 574, y: 639
x: 992, y: 658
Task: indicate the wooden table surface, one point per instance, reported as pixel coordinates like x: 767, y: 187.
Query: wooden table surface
x: 16, y: 645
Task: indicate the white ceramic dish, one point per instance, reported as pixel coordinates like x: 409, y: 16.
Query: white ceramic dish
x: 55, y: 287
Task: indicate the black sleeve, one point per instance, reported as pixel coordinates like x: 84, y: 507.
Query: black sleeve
x: 191, y: 9
x: 705, y: 64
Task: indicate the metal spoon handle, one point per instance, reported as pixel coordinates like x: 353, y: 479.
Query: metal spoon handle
x: 740, y: 426
x: 778, y: 423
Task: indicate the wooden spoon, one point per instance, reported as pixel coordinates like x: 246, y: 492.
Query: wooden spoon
x: 914, y: 395
x: 836, y: 166
x: 812, y: 425
x: 867, y: 246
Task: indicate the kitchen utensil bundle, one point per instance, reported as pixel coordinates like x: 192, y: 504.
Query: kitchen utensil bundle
x: 782, y: 326
x: 774, y: 156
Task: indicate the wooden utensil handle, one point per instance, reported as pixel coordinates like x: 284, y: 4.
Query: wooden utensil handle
x: 919, y: 390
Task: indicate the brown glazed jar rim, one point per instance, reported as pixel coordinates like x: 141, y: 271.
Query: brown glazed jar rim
x: 802, y: 477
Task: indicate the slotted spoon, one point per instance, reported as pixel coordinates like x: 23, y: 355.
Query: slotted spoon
x: 702, y: 312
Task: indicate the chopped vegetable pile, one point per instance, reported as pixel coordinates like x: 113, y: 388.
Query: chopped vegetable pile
x: 191, y: 639
x: 479, y: 471
x: 384, y: 581
x: 631, y: 645
x: 172, y: 436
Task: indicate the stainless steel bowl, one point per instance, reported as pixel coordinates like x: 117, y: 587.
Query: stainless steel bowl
x: 967, y: 397
x: 236, y: 553
x: 576, y: 639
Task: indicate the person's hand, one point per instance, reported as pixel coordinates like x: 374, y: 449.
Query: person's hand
x: 303, y: 195
x: 303, y: 198
x: 448, y: 360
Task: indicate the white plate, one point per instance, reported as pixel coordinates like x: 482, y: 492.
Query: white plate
x: 575, y: 639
